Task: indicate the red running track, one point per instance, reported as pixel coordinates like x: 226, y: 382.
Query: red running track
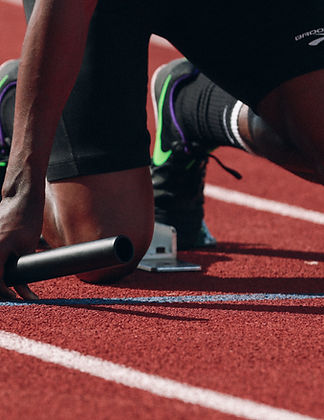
x: 267, y: 351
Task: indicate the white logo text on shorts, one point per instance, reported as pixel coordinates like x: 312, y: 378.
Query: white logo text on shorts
x: 317, y: 34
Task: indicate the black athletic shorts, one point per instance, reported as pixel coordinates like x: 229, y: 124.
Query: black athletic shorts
x: 247, y: 47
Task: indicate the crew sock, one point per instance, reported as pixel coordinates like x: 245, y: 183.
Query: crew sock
x: 209, y: 115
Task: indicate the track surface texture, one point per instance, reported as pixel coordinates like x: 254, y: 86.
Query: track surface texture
x: 243, y: 338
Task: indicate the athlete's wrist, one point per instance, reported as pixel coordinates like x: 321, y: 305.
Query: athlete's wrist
x: 24, y: 182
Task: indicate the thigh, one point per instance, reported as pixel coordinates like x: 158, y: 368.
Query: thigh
x: 249, y: 47
x: 103, y: 127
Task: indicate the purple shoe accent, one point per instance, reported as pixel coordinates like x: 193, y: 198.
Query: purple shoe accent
x: 2, y: 94
x: 172, y: 111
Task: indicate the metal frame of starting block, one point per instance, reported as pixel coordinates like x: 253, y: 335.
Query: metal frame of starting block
x: 162, y: 253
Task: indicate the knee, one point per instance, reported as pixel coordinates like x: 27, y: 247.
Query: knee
x: 102, y: 206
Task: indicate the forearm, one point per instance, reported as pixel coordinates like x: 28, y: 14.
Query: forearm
x: 51, y: 57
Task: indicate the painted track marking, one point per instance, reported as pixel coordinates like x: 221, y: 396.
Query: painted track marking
x: 154, y: 384
x: 263, y: 204
x: 142, y: 300
x: 15, y: 2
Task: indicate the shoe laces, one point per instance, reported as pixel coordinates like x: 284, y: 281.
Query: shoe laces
x: 195, y: 151
x: 231, y: 171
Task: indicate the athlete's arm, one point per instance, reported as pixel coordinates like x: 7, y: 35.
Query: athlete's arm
x: 51, y: 57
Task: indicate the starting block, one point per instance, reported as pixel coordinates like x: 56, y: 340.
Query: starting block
x: 162, y: 253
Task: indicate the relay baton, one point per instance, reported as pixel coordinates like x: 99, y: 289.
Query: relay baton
x: 67, y: 260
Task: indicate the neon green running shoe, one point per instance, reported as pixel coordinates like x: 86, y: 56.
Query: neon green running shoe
x: 178, y: 166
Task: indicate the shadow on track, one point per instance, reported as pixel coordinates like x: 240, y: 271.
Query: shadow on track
x: 210, y: 281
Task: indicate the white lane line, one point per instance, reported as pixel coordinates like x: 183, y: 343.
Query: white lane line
x: 262, y: 204
x: 154, y: 384
x: 16, y: 2
x: 161, y: 42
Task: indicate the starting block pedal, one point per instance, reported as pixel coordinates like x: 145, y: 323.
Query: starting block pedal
x: 162, y: 253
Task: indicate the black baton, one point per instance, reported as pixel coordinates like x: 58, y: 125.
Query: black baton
x: 67, y: 260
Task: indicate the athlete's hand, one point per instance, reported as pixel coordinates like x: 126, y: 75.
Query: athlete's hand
x: 20, y: 230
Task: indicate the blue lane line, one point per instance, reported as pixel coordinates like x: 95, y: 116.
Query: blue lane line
x: 168, y: 299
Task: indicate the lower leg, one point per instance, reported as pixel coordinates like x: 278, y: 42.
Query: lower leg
x: 212, y: 117
x: 99, y: 206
